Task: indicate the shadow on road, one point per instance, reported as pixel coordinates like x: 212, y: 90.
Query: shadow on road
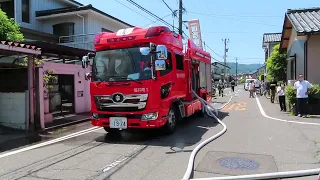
x: 188, y: 133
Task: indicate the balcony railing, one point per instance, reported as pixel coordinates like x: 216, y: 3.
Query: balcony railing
x: 82, y: 41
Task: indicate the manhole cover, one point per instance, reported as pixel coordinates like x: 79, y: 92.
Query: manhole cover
x: 238, y: 163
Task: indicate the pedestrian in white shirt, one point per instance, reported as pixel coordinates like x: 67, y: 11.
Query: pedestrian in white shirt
x: 303, y: 88
x: 282, y: 97
x: 251, y: 89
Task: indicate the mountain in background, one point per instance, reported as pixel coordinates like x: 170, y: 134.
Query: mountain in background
x: 244, y: 68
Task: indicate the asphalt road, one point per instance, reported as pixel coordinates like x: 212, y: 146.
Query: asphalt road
x: 252, y: 144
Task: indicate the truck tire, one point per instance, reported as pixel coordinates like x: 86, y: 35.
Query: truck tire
x: 111, y: 131
x: 171, y: 124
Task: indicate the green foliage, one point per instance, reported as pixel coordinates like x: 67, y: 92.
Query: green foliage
x: 243, y: 80
x: 290, y: 93
x: 37, y: 62
x: 313, y: 98
x: 277, y: 64
x: 48, y: 78
x: 9, y: 29
x: 261, y: 77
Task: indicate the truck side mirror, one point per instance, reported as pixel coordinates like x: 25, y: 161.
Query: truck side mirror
x: 160, y: 65
x: 162, y: 52
x: 85, y: 61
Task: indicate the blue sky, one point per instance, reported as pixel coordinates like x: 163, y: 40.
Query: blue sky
x: 242, y: 21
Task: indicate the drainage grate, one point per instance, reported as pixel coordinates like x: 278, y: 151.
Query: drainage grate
x: 238, y: 163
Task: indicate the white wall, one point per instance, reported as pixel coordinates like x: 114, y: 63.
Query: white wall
x: 13, y: 110
x: 36, y: 5
x: 78, y: 26
x: 97, y: 22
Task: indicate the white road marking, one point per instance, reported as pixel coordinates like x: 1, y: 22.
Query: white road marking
x: 115, y: 163
x: 50, y: 142
x: 283, y: 120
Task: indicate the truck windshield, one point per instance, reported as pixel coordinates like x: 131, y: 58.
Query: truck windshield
x: 121, y: 65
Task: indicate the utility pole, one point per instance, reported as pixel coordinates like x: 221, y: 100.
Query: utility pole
x: 225, y: 41
x: 180, y: 17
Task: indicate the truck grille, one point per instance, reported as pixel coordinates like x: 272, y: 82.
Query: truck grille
x: 118, y: 102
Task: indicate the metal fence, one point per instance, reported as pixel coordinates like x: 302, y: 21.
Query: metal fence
x: 82, y: 41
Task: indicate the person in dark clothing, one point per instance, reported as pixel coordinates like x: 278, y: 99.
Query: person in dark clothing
x: 232, y: 85
x: 273, y: 85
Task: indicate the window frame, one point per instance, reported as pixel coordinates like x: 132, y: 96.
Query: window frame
x: 25, y: 14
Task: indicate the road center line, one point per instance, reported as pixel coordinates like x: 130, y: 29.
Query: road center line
x: 50, y: 142
x: 277, y: 119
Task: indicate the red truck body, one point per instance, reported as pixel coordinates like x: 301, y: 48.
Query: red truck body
x: 139, y: 98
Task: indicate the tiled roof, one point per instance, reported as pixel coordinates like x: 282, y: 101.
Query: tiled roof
x: 20, y: 45
x: 305, y: 20
x: 271, y: 37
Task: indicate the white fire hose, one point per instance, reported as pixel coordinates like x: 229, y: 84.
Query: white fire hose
x: 209, y: 109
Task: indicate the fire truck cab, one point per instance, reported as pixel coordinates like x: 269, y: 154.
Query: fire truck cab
x: 142, y: 78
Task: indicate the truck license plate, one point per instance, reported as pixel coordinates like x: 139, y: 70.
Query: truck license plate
x: 118, y: 122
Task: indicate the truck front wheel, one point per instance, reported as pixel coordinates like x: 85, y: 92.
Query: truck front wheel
x: 171, y: 124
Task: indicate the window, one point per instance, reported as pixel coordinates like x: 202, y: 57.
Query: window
x: 168, y: 65
x: 105, y: 30
x: 179, y: 62
x: 8, y: 8
x: 64, y: 29
x: 26, y: 11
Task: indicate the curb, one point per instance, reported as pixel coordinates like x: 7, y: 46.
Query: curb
x: 64, y: 125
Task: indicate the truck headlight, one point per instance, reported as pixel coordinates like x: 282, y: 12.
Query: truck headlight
x: 149, y: 116
x: 95, y: 116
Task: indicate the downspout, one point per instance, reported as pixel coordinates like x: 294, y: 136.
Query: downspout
x: 306, y: 57
x: 82, y: 25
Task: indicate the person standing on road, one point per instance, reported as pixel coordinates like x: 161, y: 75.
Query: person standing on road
x: 273, y: 85
x: 233, y: 83
x: 220, y: 87
x: 282, y: 97
x: 303, y: 88
x: 251, y: 89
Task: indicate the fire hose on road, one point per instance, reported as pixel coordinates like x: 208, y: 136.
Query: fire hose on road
x: 212, y: 112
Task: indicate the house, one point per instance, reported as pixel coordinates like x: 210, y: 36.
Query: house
x: 301, y: 41
x: 65, y: 22
x: 17, y: 85
x: 64, y: 30
x: 268, y: 42
x: 217, y: 69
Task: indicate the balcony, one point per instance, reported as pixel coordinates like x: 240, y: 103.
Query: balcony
x: 82, y: 41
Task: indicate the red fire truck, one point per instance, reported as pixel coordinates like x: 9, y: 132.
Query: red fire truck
x: 142, y: 78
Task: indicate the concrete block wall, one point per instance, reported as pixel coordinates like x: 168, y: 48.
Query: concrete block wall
x: 13, y: 110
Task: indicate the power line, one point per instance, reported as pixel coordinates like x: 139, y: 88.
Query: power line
x: 169, y: 8
x: 213, y: 15
x: 229, y: 15
x: 157, y: 20
x: 150, y: 13
x: 133, y: 10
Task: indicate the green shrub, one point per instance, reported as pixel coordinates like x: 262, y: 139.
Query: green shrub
x: 290, y: 93
x: 314, y: 96
x: 243, y: 80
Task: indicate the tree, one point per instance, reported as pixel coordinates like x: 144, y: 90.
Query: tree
x: 9, y: 29
x: 277, y: 64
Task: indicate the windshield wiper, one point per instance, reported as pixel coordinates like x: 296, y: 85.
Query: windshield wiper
x: 128, y: 79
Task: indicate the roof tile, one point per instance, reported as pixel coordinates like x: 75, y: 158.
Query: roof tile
x: 271, y: 37
x: 305, y: 20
